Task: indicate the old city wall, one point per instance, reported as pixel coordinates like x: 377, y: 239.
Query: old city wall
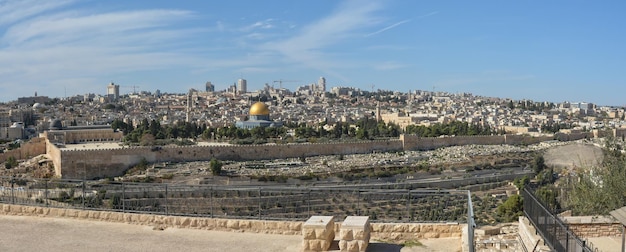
x: 102, y: 163
x: 34, y: 147
x: 54, y: 153
x: 379, y: 231
x: 89, y: 164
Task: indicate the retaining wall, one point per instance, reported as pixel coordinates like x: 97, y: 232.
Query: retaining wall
x: 379, y: 231
x: 593, y: 226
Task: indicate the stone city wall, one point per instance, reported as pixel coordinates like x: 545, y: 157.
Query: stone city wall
x: 379, y: 231
x: 33, y: 147
x: 54, y: 153
x: 89, y: 164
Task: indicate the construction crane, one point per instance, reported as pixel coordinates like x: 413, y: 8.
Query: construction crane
x: 133, y: 87
x: 280, y: 82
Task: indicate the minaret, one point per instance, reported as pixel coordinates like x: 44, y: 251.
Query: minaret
x: 378, y: 117
x: 188, y: 114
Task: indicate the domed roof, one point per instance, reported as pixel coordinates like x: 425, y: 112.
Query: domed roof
x: 259, y: 108
x: 56, y: 124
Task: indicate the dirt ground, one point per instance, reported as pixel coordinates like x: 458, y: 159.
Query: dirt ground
x: 22, y: 233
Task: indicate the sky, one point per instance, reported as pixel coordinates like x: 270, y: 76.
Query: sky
x: 540, y: 50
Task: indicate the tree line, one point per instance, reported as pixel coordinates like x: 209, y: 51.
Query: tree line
x: 454, y: 128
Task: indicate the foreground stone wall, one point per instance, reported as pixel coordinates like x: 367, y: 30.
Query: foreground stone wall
x: 593, y: 226
x: 379, y: 231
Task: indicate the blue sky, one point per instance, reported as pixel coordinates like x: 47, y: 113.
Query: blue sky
x: 541, y: 50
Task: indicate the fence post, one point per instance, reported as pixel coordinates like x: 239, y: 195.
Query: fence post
x: 309, y: 203
x: 408, y: 205
x: 166, y: 210
x: 123, y: 197
x: 566, y: 241
x: 211, y: 201
x: 46, y: 192
x: 13, y: 189
x: 358, y: 202
x: 260, y: 198
x: 83, y: 194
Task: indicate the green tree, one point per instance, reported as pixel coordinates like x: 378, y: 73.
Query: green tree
x: 511, y: 208
x: 147, y: 139
x: 215, y: 166
x: 600, y: 190
x: 538, y: 163
x: 520, y: 183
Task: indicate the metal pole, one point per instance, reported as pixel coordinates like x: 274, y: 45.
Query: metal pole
x: 166, y: 210
x: 470, y: 222
x: 408, y: 205
x: 259, y: 203
x: 211, y: 201
x: 623, y: 238
x: 83, y: 194
x: 123, y: 198
x: 13, y: 189
x: 358, y: 202
x: 46, y: 193
x: 309, y: 202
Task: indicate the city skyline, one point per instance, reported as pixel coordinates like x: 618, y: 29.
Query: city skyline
x: 556, y: 51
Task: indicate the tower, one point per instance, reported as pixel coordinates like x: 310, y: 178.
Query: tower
x: 209, y: 87
x: 189, y: 105
x: 321, y: 84
x: 242, y: 86
x: 113, y: 91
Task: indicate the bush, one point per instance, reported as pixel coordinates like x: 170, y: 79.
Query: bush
x: 215, y: 166
x: 511, y: 208
x: 10, y: 163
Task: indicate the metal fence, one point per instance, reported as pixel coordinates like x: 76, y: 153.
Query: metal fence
x: 266, y: 203
x: 555, y: 233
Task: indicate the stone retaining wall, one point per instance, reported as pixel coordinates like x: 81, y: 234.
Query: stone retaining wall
x: 593, y: 226
x: 379, y: 231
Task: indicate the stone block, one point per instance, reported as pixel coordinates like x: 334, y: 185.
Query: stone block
x: 346, y: 234
x: 232, y: 224
x: 308, y: 234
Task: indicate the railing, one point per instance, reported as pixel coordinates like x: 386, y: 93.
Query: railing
x: 555, y: 233
x: 267, y: 203
x: 245, y: 202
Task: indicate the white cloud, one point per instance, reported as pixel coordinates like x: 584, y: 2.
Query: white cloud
x: 388, y: 27
x: 350, y: 19
x: 13, y: 11
x: 48, y: 45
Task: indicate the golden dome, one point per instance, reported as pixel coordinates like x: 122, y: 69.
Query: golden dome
x: 259, y: 108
